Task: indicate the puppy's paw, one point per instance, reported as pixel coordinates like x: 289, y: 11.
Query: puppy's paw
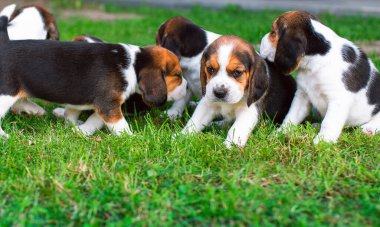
x: 59, y: 112
x: 173, y: 114
x: 325, y: 138
x: 370, y: 129
x: 4, y: 135
x: 83, y: 129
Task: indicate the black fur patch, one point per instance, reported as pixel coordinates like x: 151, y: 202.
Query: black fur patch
x: 373, y: 92
x: 63, y: 72
x: 358, y: 74
x: 316, y: 42
x: 348, y: 54
x: 281, y: 92
x: 3, y: 30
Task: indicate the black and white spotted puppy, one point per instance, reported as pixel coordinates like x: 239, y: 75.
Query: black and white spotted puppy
x: 83, y: 76
x: 188, y: 41
x: 334, y: 75
x: 31, y: 22
x: 241, y: 86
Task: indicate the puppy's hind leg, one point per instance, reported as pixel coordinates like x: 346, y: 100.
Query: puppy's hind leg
x: 114, y: 119
x: 93, y: 123
x: 28, y: 107
x: 373, y: 126
x: 6, y: 102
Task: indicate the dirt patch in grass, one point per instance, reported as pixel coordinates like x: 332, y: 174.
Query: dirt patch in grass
x: 98, y: 15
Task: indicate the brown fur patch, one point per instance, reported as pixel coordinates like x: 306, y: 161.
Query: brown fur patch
x: 170, y: 27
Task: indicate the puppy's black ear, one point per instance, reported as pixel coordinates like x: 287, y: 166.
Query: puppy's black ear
x: 291, y: 47
x: 258, y: 80
x: 203, y: 75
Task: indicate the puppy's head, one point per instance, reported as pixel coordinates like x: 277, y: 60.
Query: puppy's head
x: 182, y: 37
x: 159, y: 76
x: 29, y: 12
x: 292, y: 37
x: 231, y: 70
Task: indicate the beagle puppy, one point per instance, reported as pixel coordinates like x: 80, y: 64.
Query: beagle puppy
x: 31, y: 22
x: 188, y: 41
x: 83, y: 76
x: 174, y: 84
x: 239, y: 85
x: 334, y: 75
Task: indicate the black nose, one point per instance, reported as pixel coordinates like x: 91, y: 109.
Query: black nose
x: 220, y: 92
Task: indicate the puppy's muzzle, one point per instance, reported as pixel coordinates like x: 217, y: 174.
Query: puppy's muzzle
x: 220, y: 92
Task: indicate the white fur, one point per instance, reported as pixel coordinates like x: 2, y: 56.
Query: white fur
x: 28, y: 107
x: 119, y: 127
x: 320, y: 84
x: 8, y: 11
x: 179, y: 92
x: 191, y: 72
x: 93, y: 123
x: 266, y: 48
x: 27, y: 25
x: 232, y: 107
x: 6, y: 102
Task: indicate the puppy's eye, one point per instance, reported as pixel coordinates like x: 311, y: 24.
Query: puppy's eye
x: 236, y: 73
x: 210, y: 70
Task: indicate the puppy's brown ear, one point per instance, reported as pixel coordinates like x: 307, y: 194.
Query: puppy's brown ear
x: 152, y: 86
x: 291, y: 47
x: 203, y: 75
x: 160, y: 34
x: 258, y: 80
x: 52, y: 30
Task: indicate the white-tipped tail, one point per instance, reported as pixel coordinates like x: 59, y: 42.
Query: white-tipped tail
x: 8, y: 11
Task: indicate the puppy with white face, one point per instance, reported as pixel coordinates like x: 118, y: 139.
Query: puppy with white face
x: 334, y: 75
x: 188, y: 41
x: 176, y: 88
x: 83, y: 76
x: 31, y: 22
x: 239, y: 85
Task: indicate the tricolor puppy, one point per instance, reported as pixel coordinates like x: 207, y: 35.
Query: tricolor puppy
x: 334, y: 75
x: 31, y: 22
x: 174, y: 84
x: 188, y: 41
x: 239, y: 85
x: 83, y: 76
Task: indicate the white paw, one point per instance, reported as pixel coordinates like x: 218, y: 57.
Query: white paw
x: 59, y: 112
x: 3, y: 134
x: 325, y: 138
x: 228, y: 144
x: 370, y: 129
x: 173, y: 114
x: 236, y: 141
x: 36, y: 110
x: 85, y: 130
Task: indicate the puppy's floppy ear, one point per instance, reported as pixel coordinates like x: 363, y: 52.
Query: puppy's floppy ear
x: 291, y: 47
x: 52, y: 30
x: 203, y: 75
x: 160, y: 34
x: 153, y: 87
x: 258, y: 80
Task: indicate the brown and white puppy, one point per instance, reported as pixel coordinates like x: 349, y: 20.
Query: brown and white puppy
x: 135, y: 101
x: 188, y: 41
x: 334, y: 75
x: 239, y: 85
x: 83, y: 76
x: 31, y: 22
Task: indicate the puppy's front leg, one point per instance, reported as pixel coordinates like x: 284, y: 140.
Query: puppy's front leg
x: 93, y: 123
x: 246, y: 121
x: 298, y: 111
x: 202, y: 116
x: 179, y: 105
x: 333, y: 123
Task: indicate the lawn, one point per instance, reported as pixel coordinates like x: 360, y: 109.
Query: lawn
x: 51, y: 175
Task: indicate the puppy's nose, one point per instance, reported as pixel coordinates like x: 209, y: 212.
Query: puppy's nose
x: 220, y: 92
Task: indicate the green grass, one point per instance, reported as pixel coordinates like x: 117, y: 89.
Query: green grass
x: 51, y: 175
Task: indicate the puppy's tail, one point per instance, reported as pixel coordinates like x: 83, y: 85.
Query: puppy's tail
x: 5, y: 14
